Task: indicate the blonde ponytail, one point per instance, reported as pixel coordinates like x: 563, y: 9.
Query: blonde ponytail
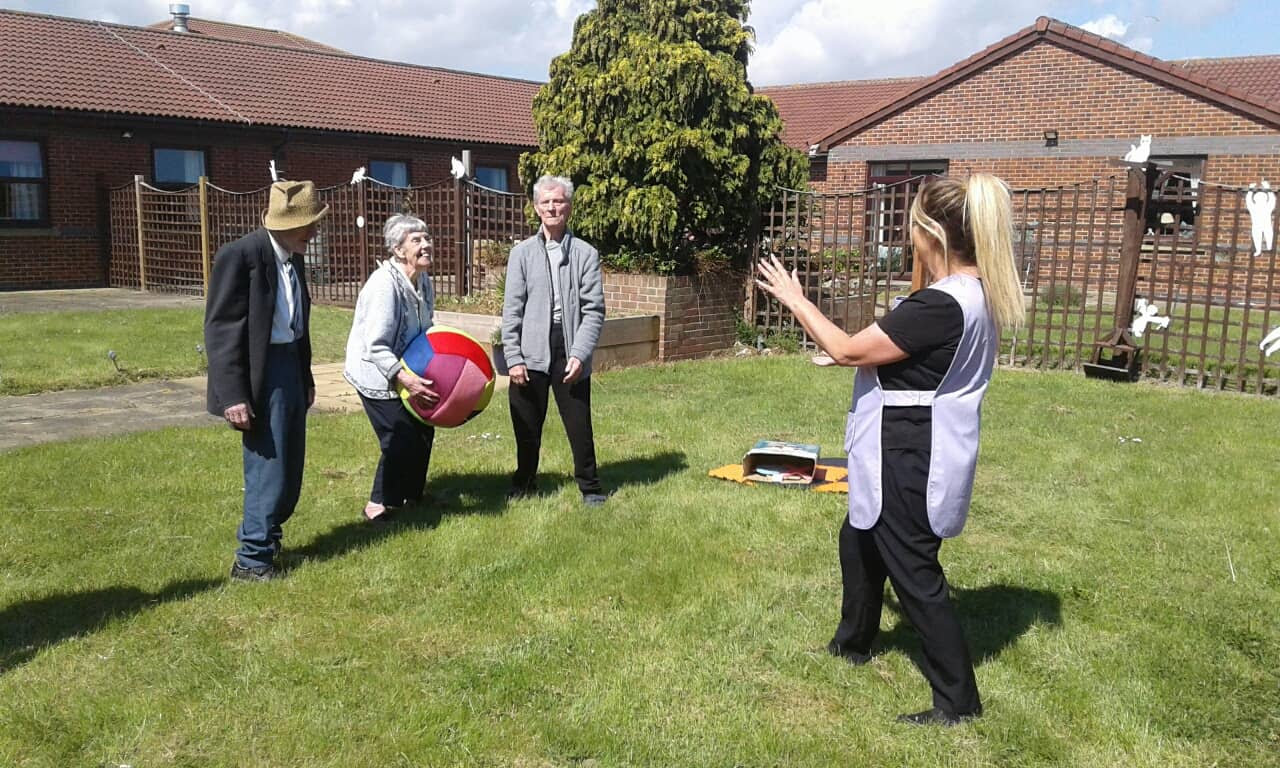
x: 989, y: 214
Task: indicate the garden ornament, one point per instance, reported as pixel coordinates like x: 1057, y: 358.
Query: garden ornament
x: 358, y: 176
x: 1271, y: 342
x: 1261, y: 203
x: 457, y: 168
x: 1146, y: 314
x: 274, y: 175
x: 1138, y: 153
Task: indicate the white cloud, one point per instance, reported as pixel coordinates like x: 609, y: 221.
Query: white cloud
x: 1107, y: 26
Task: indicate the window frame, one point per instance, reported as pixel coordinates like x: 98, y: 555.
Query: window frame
x: 506, y: 172
x: 174, y: 186
x: 408, y: 171
x: 1183, y: 205
x: 43, y: 181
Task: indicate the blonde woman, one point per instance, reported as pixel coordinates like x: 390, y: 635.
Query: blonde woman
x: 912, y: 431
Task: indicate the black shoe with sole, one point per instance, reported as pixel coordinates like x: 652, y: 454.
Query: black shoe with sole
x: 936, y: 716
x: 254, y: 573
x: 856, y: 658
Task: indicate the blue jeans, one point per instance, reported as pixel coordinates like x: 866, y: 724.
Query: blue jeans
x: 274, y: 451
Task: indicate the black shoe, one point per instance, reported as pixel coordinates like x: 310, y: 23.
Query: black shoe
x: 594, y: 499
x: 855, y: 658
x: 936, y: 716
x: 255, y: 573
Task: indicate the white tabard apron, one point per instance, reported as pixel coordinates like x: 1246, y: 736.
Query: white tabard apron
x: 957, y: 413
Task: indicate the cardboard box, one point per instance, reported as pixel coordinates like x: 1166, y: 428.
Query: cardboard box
x: 775, y: 461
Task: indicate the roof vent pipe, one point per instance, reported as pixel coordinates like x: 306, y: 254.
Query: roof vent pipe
x: 180, y: 12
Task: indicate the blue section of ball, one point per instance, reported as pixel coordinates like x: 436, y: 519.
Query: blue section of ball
x: 419, y: 354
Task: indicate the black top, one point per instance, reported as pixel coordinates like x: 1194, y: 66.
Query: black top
x: 927, y: 326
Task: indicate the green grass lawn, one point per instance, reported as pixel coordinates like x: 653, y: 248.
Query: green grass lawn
x: 49, y: 351
x: 1121, y: 597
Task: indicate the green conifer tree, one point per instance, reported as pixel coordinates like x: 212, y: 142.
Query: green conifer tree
x: 651, y: 115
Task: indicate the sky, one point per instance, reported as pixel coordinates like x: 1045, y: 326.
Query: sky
x: 797, y: 41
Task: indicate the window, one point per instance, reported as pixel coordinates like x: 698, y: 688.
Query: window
x: 1173, y: 200
x: 492, y: 176
x: 892, y: 187
x: 393, y: 172
x: 177, y: 168
x: 23, y: 184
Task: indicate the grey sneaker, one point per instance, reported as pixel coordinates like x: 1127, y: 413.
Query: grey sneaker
x: 594, y: 499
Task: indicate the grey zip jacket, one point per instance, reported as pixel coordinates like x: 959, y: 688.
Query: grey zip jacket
x: 526, y: 309
x: 390, y: 313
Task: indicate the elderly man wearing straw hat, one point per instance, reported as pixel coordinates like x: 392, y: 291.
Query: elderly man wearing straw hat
x: 258, y: 337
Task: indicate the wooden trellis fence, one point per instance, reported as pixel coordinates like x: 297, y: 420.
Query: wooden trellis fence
x: 165, y: 241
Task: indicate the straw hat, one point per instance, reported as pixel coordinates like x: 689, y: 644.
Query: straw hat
x: 293, y: 204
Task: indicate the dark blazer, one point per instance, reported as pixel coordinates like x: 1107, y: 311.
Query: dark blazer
x: 237, y: 322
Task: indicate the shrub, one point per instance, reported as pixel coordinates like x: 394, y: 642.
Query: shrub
x: 1061, y: 296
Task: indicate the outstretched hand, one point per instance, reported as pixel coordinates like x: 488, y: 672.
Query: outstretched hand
x: 778, y: 283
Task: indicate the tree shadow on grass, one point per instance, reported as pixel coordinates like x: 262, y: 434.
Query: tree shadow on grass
x: 27, y: 628
x: 993, y: 617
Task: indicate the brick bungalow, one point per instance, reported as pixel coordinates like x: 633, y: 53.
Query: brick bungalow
x: 1048, y: 105
x: 86, y: 105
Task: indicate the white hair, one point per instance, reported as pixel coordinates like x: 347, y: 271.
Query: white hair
x: 548, y: 181
x: 399, y: 227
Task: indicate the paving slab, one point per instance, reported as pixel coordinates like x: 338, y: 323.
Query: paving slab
x: 44, y: 418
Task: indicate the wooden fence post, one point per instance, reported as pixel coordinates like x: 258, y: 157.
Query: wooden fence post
x: 204, y: 231
x: 460, y: 233
x: 142, y: 245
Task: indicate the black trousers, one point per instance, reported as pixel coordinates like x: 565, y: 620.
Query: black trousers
x: 529, y: 413
x: 902, y: 547
x: 406, y: 452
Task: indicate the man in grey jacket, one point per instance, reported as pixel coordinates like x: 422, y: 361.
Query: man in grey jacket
x: 551, y: 321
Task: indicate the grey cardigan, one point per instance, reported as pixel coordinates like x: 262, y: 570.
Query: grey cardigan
x: 390, y: 313
x: 526, y: 309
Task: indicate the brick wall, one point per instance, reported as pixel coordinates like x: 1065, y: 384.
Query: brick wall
x: 698, y: 315
x: 994, y: 121
x: 86, y: 156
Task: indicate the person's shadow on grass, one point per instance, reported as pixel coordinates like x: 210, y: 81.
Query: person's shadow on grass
x: 27, y: 628
x: 476, y: 493
x: 993, y: 617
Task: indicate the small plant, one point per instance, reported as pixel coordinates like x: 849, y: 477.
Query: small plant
x: 111, y: 355
x: 745, y: 332
x: 1061, y: 296
x: 786, y: 340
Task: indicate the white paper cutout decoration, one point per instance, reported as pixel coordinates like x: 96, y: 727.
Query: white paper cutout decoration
x: 1146, y: 314
x: 1261, y: 203
x: 1272, y: 341
x: 360, y: 222
x: 358, y: 176
x: 1138, y: 153
x: 274, y: 176
x: 457, y: 168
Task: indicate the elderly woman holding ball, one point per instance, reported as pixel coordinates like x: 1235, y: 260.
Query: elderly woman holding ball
x: 395, y: 307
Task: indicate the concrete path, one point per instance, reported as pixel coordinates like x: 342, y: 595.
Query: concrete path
x: 35, y: 419
x: 88, y: 299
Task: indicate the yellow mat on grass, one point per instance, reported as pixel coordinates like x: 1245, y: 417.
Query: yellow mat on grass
x: 827, y: 479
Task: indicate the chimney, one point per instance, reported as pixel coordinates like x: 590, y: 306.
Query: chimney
x: 180, y: 12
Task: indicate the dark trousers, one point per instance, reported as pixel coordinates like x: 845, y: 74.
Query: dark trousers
x: 274, y: 451
x: 529, y: 412
x: 406, y: 452
x: 902, y: 547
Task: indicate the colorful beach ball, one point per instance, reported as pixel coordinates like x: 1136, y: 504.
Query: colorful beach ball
x: 461, y: 373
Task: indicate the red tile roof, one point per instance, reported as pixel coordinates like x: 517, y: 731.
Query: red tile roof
x: 811, y: 111
x: 54, y: 62
x: 1256, y: 74
x: 228, y: 31
x: 1260, y: 105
